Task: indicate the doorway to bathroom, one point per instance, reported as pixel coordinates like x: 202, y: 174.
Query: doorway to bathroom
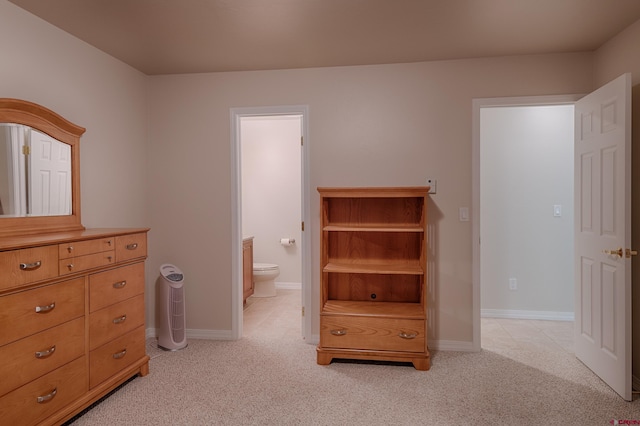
x: 270, y: 193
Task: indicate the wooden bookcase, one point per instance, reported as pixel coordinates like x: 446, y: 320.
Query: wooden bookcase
x: 373, y: 285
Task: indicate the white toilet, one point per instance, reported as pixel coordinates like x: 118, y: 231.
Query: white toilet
x: 264, y: 275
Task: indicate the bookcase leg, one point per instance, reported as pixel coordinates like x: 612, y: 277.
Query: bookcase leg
x: 324, y: 359
x: 422, y: 364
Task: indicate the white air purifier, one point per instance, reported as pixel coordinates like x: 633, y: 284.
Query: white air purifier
x: 172, y: 334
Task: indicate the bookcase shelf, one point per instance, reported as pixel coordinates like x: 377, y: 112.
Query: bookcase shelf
x: 373, y: 284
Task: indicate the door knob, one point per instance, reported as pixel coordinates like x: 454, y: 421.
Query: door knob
x: 613, y: 252
x: 619, y: 252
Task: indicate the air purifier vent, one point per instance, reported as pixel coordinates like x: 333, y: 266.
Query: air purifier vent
x: 171, y: 306
x: 177, y: 314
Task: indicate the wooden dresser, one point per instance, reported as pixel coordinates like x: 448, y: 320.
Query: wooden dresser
x: 373, y: 284
x: 72, y: 320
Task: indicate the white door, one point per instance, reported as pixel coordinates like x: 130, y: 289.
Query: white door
x: 50, y: 176
x: 603, y: 233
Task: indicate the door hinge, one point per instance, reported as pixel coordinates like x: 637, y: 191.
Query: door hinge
x: 26, y: 149
x: 303, y: 226
x: 303, y: 311
x: 302, y: 140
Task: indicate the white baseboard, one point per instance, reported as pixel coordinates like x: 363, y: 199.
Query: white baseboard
x: 518, y: 314
x: 152, y: 333
x: 289, y: 286
x: 451, y: 345
x: 440, y: 345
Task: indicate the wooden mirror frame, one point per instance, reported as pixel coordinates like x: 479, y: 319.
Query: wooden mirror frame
x: 46, y: 121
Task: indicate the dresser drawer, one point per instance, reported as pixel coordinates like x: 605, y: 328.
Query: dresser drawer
x: 115, y: 320
x: 351, y: 332
x: 55, y: 390
x: 116, y: 355
x: 89, y: 261
x: 116, y: 285
x: 131, y: 246
x: 31, y: 311
x: 82, y: 248
x: 26, y: 266
x: 41, y: 353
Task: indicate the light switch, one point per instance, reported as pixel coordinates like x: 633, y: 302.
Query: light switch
x: 463, y: 214
x: 432, y: 183
x: 557, y: 210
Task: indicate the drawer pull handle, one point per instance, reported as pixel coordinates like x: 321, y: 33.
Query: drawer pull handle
x: 70, y: 249
x: 47, y: 397
x: 339, y: 332
x: 70, y: 266
x: 43, y: 309
x: 109, y: 243
x: 407, y: 335
x: 30, y: 266
x: 120, y: 320
x: 120, y: 354
x: 48, y: 352
x: 121, y: 284
x: 132, y: 246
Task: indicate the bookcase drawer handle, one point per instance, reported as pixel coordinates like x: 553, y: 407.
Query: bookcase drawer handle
x: 43, y: 309
x: 120, y: 320
x: 30, y: 266
x: 120, y: 284
x: 132, y: 246
x: 407, y: 335
x: 120, y: 354
x: 48, y: 352
x: 47, y: 397
x: 339, y: 332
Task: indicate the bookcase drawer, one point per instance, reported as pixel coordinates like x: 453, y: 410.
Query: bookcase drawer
x: 383, y: 334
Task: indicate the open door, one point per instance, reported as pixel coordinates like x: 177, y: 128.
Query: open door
x: 603, y: 233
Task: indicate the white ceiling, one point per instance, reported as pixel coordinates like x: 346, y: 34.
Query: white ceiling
x: 191, y: 36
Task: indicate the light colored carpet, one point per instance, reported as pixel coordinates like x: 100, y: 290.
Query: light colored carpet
x: 273, y: 379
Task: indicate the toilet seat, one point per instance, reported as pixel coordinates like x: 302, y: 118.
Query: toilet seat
x: 264, y: 267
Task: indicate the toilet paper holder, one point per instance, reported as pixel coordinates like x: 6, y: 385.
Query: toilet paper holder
x: 287, y: 241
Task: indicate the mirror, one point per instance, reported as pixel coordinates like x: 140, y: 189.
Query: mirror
x: 39, y: 170
x: 35, y: 173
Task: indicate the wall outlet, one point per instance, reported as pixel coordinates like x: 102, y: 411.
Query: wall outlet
x: 513, y: 284
x: 432, y: 183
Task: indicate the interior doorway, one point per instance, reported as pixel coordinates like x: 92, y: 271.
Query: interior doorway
x: 274, y: 212
x: 523, y: 209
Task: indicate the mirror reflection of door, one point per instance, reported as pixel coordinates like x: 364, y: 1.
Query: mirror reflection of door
x: 12, y: 170
x: 35, y: 173
x: 49, y: 166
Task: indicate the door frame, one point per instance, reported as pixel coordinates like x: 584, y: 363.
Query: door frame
x: 236, y: 213
x: 477, y: 104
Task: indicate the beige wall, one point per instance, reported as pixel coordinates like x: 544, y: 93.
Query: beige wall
x: 369, y: 125
x: 43, y: 64
x: 618, y: 56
